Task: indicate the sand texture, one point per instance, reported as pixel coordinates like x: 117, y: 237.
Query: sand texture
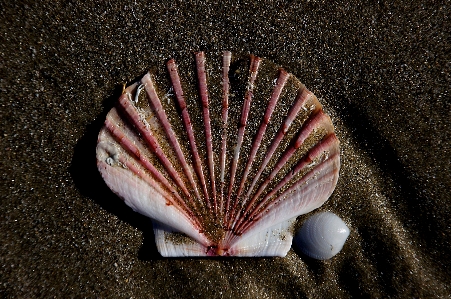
x: 382, y: 70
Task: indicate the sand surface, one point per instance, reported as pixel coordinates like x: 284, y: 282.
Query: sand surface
x: 381, y: 70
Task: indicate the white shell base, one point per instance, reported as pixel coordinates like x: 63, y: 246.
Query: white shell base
x: 275, y: 241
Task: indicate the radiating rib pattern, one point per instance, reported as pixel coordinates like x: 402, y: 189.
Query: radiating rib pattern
x: 251, y: 161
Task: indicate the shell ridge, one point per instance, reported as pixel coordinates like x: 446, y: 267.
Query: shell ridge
x: 176, y: 84
x: 128, y: 164
x: 151, y: 141
x: 316, y: 173
x: 281, y: 81
x: 328, y: 146
x: 300, y: 101
x: 203, y: 93
x: 142, y: 198
x: 130, y: 146
x: 306, y: 130
x: 155, y: 102
x: 134, y: 150
x: 254, y: 65
x: 227, y: 57
x: 299, y: 202
x: 277, y: 90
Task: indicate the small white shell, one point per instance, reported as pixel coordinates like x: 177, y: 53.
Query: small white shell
x: 322, y: 236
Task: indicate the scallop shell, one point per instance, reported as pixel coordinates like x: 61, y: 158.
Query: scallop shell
x: 222, y: 166
x: 322, y: 236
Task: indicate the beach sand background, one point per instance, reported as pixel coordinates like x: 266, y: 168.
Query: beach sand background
x: 381, y: 70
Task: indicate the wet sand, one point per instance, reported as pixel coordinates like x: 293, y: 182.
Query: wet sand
x: 382, y: 71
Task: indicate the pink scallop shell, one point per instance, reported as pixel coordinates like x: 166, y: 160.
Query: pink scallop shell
x: 223, y: 155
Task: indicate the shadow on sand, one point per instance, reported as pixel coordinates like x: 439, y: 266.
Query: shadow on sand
x: 89, y: 182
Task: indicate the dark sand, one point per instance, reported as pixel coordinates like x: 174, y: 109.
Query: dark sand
x: 381, y: 70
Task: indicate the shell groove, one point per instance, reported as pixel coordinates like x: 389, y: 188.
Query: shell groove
x: 222, y: 161
x: 322, y: 236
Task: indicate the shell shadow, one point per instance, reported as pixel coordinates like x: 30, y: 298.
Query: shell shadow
x: 315, y: 267
x: 89, y: 182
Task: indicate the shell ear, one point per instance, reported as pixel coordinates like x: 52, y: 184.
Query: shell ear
x: 273, y: 241
x: 173, y: 243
